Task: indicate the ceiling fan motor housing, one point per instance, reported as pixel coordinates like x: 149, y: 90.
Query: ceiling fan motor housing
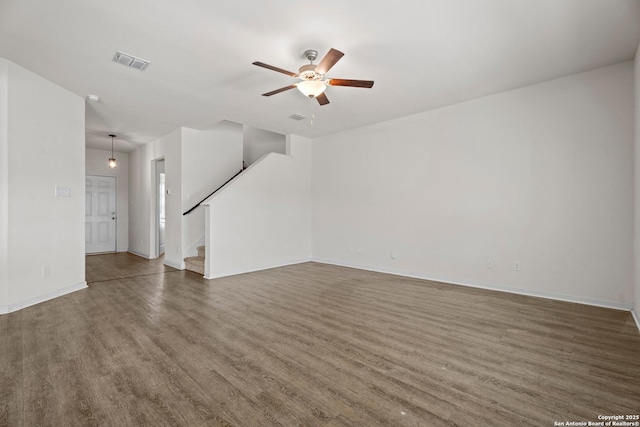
x: 308, y: 72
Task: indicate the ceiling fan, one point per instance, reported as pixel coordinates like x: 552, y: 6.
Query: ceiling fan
x: 313, y: 82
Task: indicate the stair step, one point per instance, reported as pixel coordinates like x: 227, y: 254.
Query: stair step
x: 201, y: 251
x: 195, y: 264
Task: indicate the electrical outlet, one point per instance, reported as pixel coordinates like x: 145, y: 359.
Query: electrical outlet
x: 517, y: 266
x: 46, y: 271
x: 393, y: 255
x: 489, y: 263
x: 360, y: 250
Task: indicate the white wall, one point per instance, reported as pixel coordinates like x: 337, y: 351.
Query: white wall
x: 258, y: 142
x: 637, y: 187
x: 262, y: 219
x: 4, y: 186
x: 209, y: 159
x: 139, y: 207
x: 541, y: 174
x: 142, y: 198
x: 96, y: 163
x: 42, y: 146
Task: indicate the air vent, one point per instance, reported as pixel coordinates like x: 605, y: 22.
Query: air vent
x: 130, y: 61
x: 297, y: 117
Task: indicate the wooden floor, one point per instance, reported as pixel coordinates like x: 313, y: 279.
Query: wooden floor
x: 122, y: 265
x: 309, y: 345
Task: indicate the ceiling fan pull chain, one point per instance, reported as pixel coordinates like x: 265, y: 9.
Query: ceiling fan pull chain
x: 313, y: 113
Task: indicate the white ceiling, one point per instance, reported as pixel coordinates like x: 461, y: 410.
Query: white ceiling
x: 421, y: 54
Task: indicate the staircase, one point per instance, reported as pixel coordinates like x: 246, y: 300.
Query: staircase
x: 196, y: 263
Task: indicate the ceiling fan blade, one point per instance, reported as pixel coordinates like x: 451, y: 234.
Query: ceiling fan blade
x: 352, y: 83
x: 329, y: 61
x: 322, y: 99
x: 282, y: 89
x: 271, y: 67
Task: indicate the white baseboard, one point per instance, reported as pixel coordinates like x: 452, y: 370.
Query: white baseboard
x: 174, y: 264
x: 165, y: 262
x: 147, y: 256
x: 4, y: 309
x: 558, y: 297
x: 219, y: 274
x: 636, y: 317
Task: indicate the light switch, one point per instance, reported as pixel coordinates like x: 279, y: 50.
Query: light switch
x: 63, y: 191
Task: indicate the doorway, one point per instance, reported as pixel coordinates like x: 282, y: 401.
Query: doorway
x: 100, y: 214
x: 160, y: 208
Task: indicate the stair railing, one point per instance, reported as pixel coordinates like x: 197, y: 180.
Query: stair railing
x: 212, y: 193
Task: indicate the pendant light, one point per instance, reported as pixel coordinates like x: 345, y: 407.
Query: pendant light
x: 112, y: 160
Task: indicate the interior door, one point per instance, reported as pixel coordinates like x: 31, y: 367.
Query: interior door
x: 100, y: 214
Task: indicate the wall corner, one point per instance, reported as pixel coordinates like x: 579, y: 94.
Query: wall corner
x: 636, y: 184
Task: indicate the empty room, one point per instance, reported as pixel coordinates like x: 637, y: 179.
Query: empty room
x: 320, y: 214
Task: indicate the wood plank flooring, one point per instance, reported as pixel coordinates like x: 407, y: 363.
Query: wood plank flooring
x: 309, y: 345
x: 121, y: 265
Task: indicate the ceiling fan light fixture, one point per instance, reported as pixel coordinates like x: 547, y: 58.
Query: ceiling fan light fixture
x: 311, y: 88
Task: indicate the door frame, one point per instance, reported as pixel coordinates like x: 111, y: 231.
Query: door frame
x: 156, y: 204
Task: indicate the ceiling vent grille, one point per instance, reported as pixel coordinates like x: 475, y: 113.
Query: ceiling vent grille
x: 297, y: 117
x: 130, y: 61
